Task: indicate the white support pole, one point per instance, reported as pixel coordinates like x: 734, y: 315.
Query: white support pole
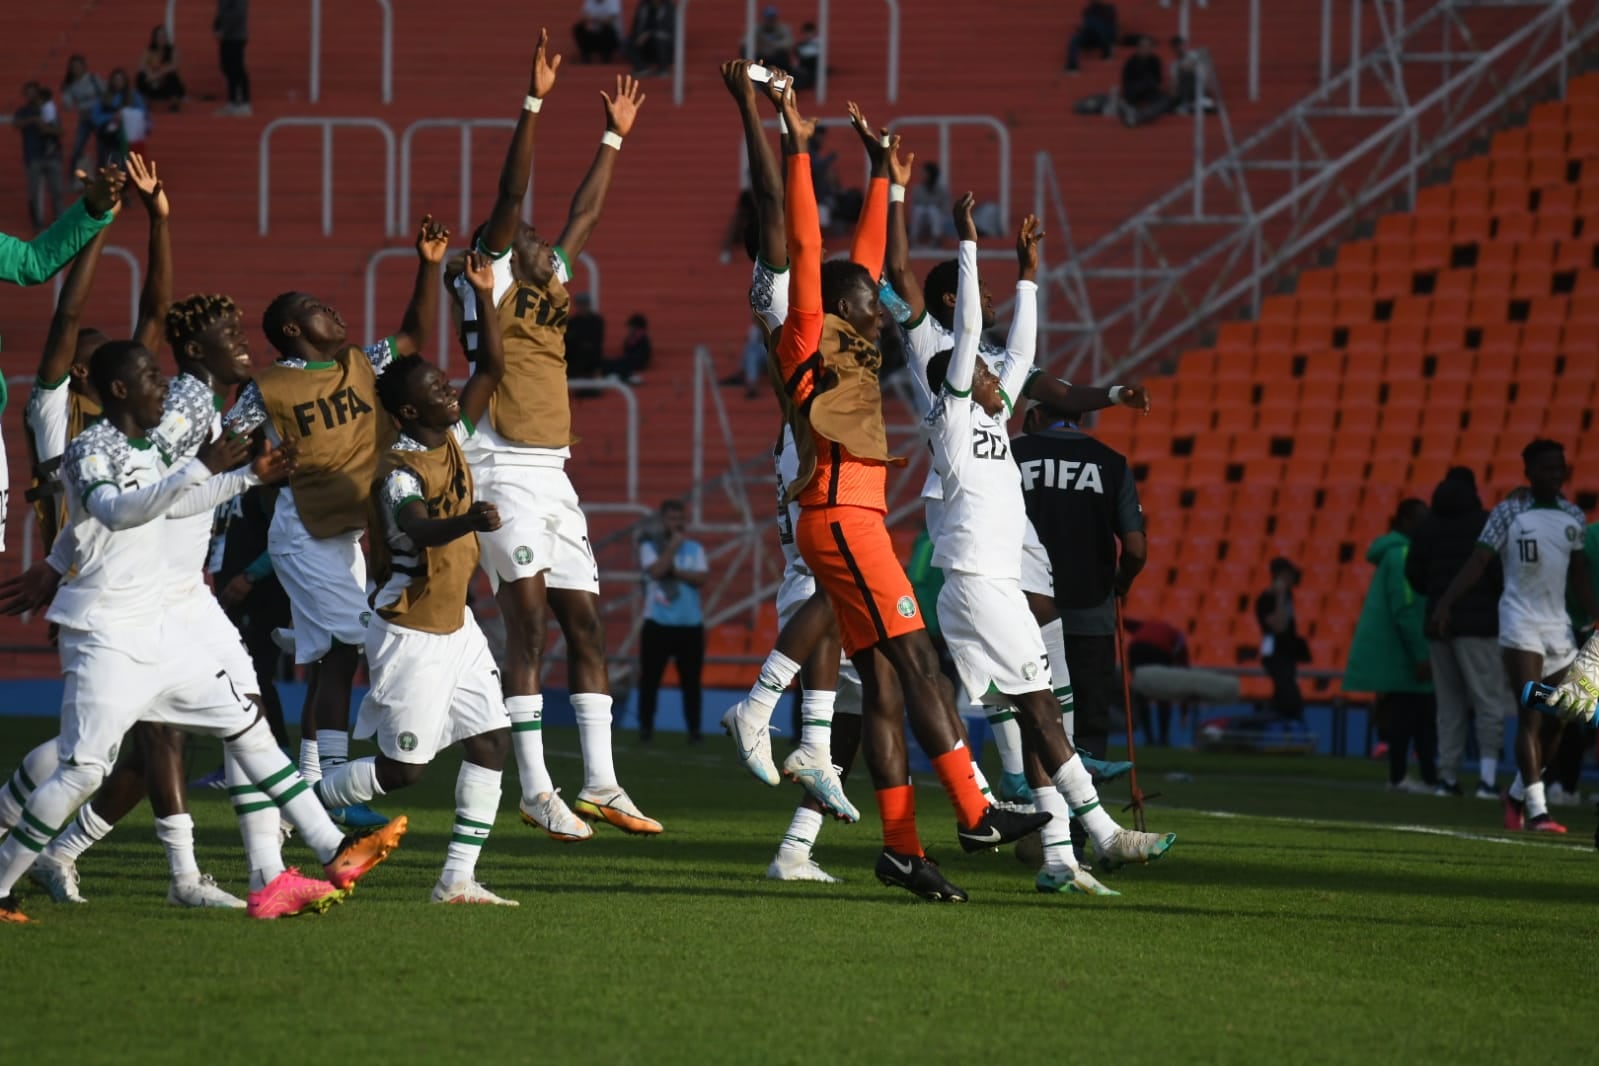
x: 1254, y: 50
x: 823, y: 31
x: 315, y: 51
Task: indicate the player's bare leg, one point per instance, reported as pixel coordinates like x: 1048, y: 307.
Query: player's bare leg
x: 1536, y: 732
x: 749, y: 721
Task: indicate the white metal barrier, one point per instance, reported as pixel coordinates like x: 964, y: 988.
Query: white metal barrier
x: 327, y: 125
x: 945, y: 123
x: 369, y: 301
x: 135, y: 282
x: 823, y: 36
x: 314, y: 50
x: 465, y: 126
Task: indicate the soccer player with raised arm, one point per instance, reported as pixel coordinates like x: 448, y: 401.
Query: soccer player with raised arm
x: 322, y: 393
x: 127, y: 659
x: 1537, y: 537
x: 539, y: 559
x: 991, y: 633
x: 829, y: 359
x: 434, y: 681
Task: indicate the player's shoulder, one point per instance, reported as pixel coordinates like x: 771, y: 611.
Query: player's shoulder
x: 1571, y: 510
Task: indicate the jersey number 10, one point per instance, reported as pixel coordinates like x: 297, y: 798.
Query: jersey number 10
x: 1527, y: 550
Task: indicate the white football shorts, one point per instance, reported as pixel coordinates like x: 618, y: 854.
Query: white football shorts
x: 1037, y: 575
x: 1552, y: 640
x: 997, y: 647
x: 429, y: 690
x: 542, y: 528
x: 210, y: 635
x: 325, y: 578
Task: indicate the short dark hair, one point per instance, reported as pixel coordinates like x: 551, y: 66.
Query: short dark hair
x: 276, y: 317
x: 394, y: 385
x: 839, y: 276
x: 1410, y: 510
x: 1539, y: 448
x: 109, y: 364
x: 941, y: 281
x: 938, y: 370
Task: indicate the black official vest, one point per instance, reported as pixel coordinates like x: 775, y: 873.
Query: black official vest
x: 1072, y: 484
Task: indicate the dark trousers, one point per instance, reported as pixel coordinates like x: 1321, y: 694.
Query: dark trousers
x: 660, y: 644
x: 1091, y: 660
x: 232, y: 55
x: 601, y: 43
x: 1411, y: 720
x: 1286, y: 699
x: 1093, y: 33
x: 1565, y: 767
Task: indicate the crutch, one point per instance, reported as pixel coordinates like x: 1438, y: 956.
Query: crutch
x: 1138, y: 797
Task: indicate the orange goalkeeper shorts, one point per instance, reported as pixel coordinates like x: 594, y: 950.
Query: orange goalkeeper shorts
x: 849, y: 551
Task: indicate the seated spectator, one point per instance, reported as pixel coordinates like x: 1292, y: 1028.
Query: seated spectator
x: 81, y: 90
x: 1097, y: 30
x: 807, y: 58
x: 774, y: 41
x: 158, y: 71
x: 930, y: 209
x: 1185, y: 78
x: 585, y: 339
x: 636, y: 352
x: 649, y: 44
x: 1282, y: 649
x: 1143, y: 94
x: 599, y: 32
x: 836, y: 205
x: 38, y: 121
x: 121, y: 119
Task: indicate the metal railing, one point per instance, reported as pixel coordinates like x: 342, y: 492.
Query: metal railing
x: 314, y: 51
x: 466, y: 126
x: 823, y: 36
x: 1180, y: 285
x: 327, y: 125
x: 369, y: 301
x: 135, y: 283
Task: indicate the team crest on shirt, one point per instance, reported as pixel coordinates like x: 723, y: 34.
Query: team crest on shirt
x: 1571, y: 534
x: 906, y: 607
x: 523, y: 555
x: 407, y: 741
x: 111, y: 756
x: 1029, y: 671
x: 366, y: 619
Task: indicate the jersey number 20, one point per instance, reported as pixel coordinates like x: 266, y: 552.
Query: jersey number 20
x: 989, y: 445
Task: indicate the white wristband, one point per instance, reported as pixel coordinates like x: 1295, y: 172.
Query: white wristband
x: 896, y: 194
x: 612, y: 139
x: 1118, y: 393
x: 532, y: 103
x: 782, y: 124
x: 888, y: 140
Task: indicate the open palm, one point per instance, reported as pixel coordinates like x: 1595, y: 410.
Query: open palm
x: 622, y: 109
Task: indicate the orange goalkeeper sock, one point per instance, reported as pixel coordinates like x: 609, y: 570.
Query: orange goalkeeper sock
x: 898, y: 808
x: 955, y: 773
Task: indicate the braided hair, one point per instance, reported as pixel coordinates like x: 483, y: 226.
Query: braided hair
x: 190, y: 317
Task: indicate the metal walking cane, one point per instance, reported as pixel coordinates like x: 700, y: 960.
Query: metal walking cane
x: 1138, y: 797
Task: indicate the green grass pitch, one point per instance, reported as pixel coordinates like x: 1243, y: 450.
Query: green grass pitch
x: 1305, y: 916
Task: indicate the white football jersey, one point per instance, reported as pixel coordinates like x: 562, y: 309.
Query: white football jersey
x: 985, y: 514
x: 45, y: 418
x: 191, y: 417
x: 1535, y: 545
x: 769, y: 297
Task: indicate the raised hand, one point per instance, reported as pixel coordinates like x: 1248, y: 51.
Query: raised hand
x: 736, y: 76
x: 104, y: 191
x: 1136, y: 397
x: 432, y: 240
x: 484, y: 517
x: 876, y: 150
x: 276, y: 464
x: 1027, y: 239
x: 900, y: 170
x: 224, y: 452
x: 965, y: 228
x: 30, y: 590
x: 621, y: 110
x: 150, y: 188
x: 479, y: 272
x: 542, y: 80
x: 779, y: 87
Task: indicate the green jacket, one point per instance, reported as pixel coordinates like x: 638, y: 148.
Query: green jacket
x: 926, y: 580
x: 1389, y: 644
x: 1590, y: 548
x: 35, y: 262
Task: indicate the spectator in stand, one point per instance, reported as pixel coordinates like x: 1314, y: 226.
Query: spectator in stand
x: 122, y: 119
x: 930, y: 210
x: 807, y: 58
x: 674, y: 627
x: 81, y: 91
x: 1155, y: 644
x: 1143, y: 94
x: 38, y: 122
x: 1389, y: 656
x: 585, y: 339
x: 1097, y: 30
x: 599, y: 32
x: 232, y: 29
x: 1185, y: 66
x: 158, y: 71
x: 636, y: 352
x: 774, y: 41
x: 1282, y: 649
x: 1468, y: 671
x: 649, y: 44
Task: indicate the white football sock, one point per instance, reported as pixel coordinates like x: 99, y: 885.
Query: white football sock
x: 310, y: 762
x: 1060, y: 675
x: 37, y: 765
x: 1536, y: 804
x: 982, y: 782
x: 86, y: 830
x: 1074, y: 783
x: 176, y: 833
x: 527, y: 741
x: 776, y: 673
x: 1007, y: 737
x: 593, y: 710
x: 1488, y: 769
x: 47, y: 810
x: 349, y: 784
x: 801, y: 835
x: 1057, y: 832
x: 477, y: 797
x: 259, y: 824
x: 271, y: 771
x: 816, y: 722
x: 1518, y: 792
x: 332, y: 748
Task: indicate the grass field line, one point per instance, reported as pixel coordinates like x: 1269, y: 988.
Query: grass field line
x: 1334, y: 823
